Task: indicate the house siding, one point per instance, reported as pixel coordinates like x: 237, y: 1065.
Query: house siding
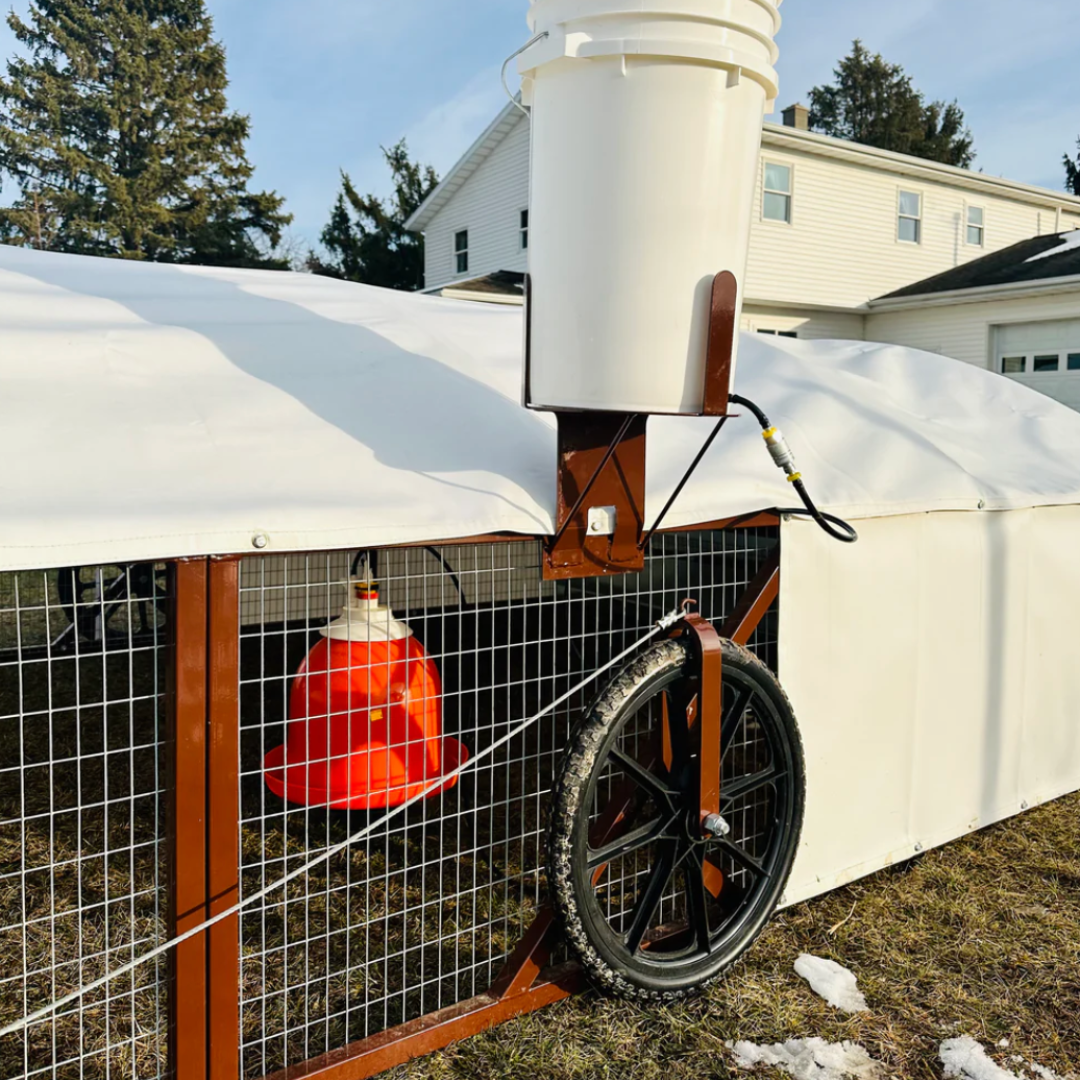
x: 841, y: 248
x: 489, y: 205
x: 809, y: 325
x: 840, y: 251
x: 965, y: 332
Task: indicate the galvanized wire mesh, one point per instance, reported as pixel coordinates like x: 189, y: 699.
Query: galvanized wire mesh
x: 423, y: 913
x: 83, y: 887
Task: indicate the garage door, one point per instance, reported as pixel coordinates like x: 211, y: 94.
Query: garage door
x: 1042, y: 355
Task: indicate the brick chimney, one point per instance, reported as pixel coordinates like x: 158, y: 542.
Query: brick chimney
x: 798, y: 117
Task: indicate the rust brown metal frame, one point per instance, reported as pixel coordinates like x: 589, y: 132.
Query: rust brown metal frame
x: 204, y: 844
x: 204, y: 1034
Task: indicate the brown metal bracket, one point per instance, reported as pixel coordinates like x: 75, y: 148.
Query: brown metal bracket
x: 704, y: 644
x: 601, y: 459
x: 601, y: 464
x: 722, y: 331
x: 755, y: 602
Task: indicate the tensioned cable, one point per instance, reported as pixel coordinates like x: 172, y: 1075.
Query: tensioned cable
x: 20, y: 1025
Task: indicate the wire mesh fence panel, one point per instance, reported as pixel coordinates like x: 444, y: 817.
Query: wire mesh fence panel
x: 424, y: 911
x: 83, y: 887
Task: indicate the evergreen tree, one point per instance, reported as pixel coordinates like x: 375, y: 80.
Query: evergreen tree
x: 1072, y: 172
x: 366, y: 237
x: 115, y: 129
x: 873, y: 102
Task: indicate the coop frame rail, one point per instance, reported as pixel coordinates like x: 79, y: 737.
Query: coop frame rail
x: 204, y: 860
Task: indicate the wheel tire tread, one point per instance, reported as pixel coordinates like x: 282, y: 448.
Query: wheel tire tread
x: 578, y: 763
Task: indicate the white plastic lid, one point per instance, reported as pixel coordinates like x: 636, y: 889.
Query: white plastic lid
x: 364, y: 618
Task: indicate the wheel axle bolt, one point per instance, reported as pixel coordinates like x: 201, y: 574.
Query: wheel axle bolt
x: 715, y: 825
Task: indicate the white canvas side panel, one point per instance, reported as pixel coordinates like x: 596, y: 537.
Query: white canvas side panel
x: 842, y: 664
x: 931, y: 669
x: 1051, y: 746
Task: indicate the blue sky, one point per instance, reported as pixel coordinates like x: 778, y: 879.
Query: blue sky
x: 326, y: 82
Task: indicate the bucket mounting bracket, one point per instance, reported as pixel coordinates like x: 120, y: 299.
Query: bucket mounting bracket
x: 600, y: 521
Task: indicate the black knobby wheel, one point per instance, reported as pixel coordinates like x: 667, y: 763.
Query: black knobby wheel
x: 114, y: 603
x: 654, y: 907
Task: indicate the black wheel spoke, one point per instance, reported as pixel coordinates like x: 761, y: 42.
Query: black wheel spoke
x: 743, y: 858
x: 697, y: 910
x: 632, y: 841
x: 747, y: 785
x: 646, y: 779
x: 678, y: 727
x: 649, y: 900
x: 733, y: 715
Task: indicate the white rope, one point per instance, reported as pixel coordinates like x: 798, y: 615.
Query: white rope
x: 228, y: 913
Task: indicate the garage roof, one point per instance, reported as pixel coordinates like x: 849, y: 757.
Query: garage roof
x: 1042, y: 258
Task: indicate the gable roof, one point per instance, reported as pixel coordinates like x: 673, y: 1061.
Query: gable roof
x: 1042, y: 258
x: 473, y: 158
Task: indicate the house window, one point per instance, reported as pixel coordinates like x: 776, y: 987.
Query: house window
x: 777, y: 199
x: 1074, y: 361
x: 910, y: 226
x: 976, y: 226
x: 1045, y: 362
x: 1013, y: 365
x: 524, y: 230
x: 461, y: 251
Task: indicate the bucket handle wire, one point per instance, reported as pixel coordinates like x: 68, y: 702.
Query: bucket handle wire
x: 514, y: 98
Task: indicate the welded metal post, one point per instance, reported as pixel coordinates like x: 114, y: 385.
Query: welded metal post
x: 222, y: 818
x: 204, y: 1009
x: 187, y: 822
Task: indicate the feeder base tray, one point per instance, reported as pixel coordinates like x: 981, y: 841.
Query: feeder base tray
x: 303, y: 793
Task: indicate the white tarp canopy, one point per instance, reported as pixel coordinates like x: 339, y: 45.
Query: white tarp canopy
x: 153, y: 411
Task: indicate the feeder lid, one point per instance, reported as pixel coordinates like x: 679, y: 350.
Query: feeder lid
x: 363, y: 618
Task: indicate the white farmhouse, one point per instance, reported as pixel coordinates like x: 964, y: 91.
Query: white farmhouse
x: 836, y: 225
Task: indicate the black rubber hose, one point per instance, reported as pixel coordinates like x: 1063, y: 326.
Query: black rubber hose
x: 373, y: 561
x: 835, y: 527
x: 746, y: 403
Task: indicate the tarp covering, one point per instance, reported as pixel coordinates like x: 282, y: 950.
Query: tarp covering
x: 932, y: 670
x: 152, y: 411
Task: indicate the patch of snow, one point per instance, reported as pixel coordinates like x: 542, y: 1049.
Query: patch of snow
x: 1043, y: 1073
x: 965, y: 1059
x: 811, y: 1059
x: 1003, y: 1044
x: 1069, y: 242
x: 834, y: 983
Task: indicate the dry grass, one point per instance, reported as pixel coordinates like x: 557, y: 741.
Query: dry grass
x: 980, y: 938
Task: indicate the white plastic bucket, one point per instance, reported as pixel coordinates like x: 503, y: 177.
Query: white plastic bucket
x: 646, y: 135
